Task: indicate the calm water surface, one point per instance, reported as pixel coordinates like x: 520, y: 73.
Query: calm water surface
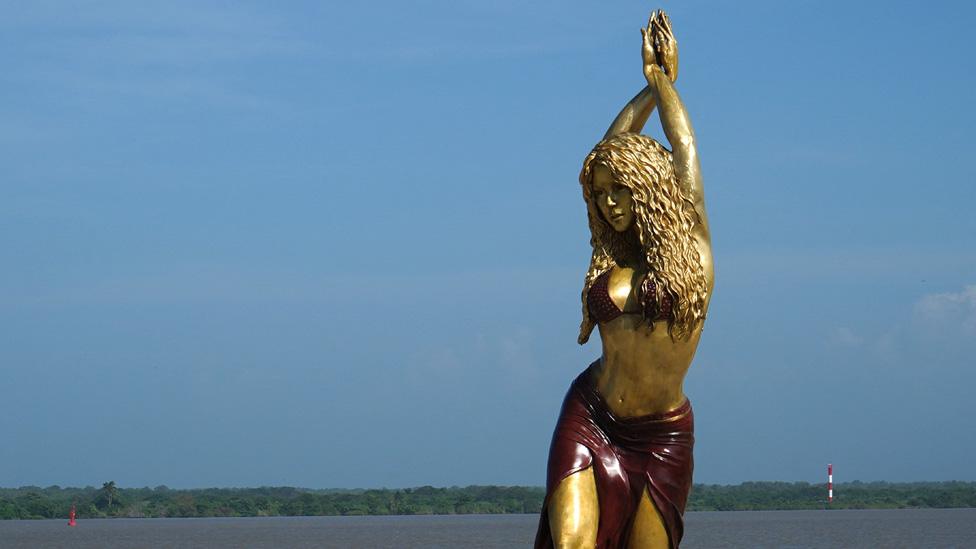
x: 756, y: 529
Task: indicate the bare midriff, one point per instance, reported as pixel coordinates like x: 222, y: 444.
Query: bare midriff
x: 642, y: 371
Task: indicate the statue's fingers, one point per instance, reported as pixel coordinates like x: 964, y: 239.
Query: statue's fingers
x: 663, y: 29
x: 666, y: 26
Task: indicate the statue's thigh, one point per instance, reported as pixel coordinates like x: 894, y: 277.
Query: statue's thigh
x: 574, y: 511
x: 648, y: 531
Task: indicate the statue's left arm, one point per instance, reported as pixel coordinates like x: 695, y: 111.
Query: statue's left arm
x: 659, y: 43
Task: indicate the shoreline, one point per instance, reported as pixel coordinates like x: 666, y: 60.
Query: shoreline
x: 111, y: 501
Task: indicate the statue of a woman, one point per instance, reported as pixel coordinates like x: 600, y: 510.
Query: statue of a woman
x: 620, y: 462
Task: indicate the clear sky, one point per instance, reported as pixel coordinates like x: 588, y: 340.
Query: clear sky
x: 330, y: 245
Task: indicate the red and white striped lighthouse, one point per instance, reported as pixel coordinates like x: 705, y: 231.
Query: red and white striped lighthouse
x: 830, y: 482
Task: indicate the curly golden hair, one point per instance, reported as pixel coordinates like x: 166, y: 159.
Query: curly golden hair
x: 665, y: 216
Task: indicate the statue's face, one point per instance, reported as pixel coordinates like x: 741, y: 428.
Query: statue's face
x: 614, y: 199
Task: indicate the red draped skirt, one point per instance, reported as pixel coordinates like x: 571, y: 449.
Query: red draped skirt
x: 629, y: 456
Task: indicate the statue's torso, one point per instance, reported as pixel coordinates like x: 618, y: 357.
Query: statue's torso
x: 642, y: 369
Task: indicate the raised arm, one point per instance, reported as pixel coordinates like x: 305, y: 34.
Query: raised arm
x: 635, y: 114
x: 658, y: 40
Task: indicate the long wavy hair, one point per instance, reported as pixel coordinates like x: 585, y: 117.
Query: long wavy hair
x: 665, y: 216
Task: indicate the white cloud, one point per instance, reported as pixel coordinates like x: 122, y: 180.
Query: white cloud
x: 940, y: 324
x: 949, y: 312
x: 843, y: 336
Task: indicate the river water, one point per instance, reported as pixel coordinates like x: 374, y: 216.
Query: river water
x: 748, y: 529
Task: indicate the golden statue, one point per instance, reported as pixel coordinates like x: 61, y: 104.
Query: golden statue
x: 620, y: 462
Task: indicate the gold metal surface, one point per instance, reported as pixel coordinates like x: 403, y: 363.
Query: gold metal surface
x: 648, y: 530
x: 574, y: 512
x: 615, y: 200
x: 647, y: 219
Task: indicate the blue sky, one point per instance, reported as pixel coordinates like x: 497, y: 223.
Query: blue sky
x: 338, y: 246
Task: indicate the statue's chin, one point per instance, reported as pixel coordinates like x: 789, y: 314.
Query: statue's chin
x: 622, y: 226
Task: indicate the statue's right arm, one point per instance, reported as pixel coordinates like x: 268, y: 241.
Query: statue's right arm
x: 634, y: 115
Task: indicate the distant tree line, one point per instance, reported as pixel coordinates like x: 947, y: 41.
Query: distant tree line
x: 32, y: 502
x: 110, y: 501
x: 757, y: 496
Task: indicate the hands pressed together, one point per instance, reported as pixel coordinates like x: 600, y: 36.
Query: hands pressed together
x: 660, y: 49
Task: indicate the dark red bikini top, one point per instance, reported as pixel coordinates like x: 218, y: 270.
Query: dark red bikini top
x: 603, y: 309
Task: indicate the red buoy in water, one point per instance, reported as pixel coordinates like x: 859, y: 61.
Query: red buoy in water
x: 71, y: 517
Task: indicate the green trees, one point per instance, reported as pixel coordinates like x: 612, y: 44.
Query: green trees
x: 35, y: 505
x: 108, y: 495
x: 111, y: 501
